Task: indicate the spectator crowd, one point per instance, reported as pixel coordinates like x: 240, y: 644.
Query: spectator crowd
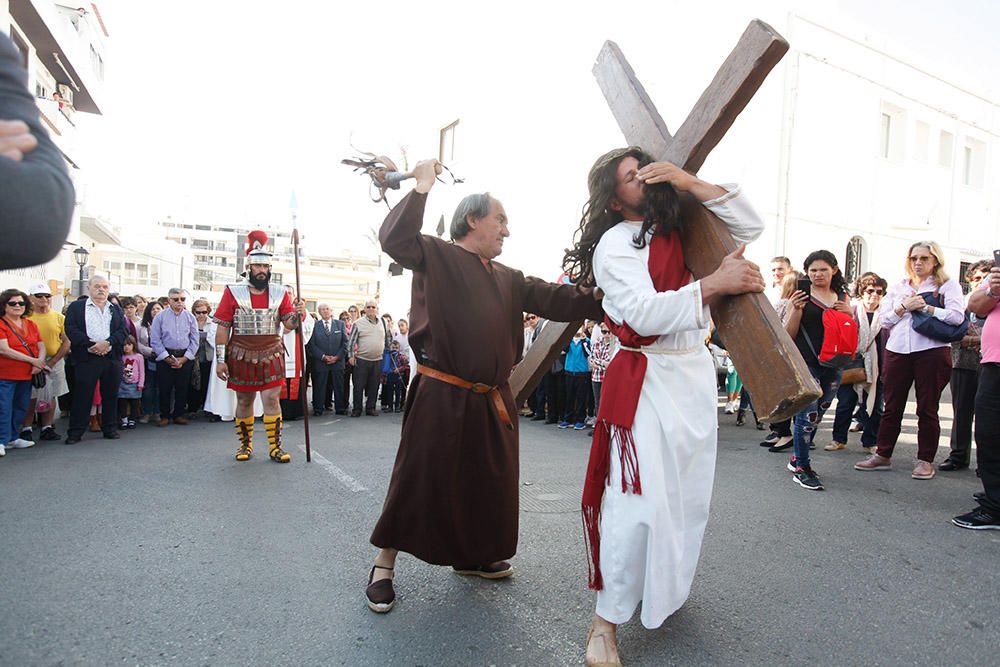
x: 110, y: 362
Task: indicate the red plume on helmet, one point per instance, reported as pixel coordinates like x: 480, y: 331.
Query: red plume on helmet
x: 256, y: 240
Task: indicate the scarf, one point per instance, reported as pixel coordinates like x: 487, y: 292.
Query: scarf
x: 619, y: 400
x: 867, y: 335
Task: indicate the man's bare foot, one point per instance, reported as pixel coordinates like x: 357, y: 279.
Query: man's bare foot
x: 602, y: 644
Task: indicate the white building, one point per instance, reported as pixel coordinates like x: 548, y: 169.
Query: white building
x: 218, y: 252
x: 64, y: 47
x: 858, y: 149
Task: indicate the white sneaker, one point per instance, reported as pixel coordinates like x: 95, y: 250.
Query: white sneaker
x: 730, y: 407
x: 21, y: 444
x: 3, y: 451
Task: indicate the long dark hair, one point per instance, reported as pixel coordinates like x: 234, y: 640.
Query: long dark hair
x: 662, y: 213
x: 147, y: 315
x: 837, y: 282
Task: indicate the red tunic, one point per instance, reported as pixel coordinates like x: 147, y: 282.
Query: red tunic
x: 224, y: 315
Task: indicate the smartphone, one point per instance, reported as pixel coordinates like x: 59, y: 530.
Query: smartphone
x: 803, y: 285
x: 996, y: 258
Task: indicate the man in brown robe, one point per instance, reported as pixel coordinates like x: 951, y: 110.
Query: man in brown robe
x: 453, y: 498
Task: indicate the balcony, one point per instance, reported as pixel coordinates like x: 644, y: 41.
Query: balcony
x: 63, y: 49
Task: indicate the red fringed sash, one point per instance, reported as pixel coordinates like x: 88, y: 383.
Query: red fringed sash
x: 619, y: 400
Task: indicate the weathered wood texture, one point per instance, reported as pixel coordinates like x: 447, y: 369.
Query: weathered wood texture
x: 552, y: 340
x: 769, y: 363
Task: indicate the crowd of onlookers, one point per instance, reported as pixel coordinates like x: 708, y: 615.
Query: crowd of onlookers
x: 110, y: 362
x: 917, y: 332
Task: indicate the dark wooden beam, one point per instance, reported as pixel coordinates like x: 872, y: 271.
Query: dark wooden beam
x: 758, y: 51
x: 639, y: 117
x: 551, y: 341
x: 769, y: 363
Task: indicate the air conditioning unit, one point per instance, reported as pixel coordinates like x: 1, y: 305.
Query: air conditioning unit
x: 65, y: 92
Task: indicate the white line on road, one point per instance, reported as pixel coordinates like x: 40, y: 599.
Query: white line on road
x: 342, y: 477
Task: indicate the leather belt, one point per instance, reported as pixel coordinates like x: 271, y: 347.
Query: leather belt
x: 474, y: 387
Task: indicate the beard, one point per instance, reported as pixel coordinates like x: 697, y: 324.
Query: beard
x: 260, y: 280
x: 661, y: 207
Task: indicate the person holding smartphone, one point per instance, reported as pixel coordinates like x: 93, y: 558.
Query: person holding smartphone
x: 824, y: 288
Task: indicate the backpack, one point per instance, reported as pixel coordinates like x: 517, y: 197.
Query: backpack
x: 840, y: 338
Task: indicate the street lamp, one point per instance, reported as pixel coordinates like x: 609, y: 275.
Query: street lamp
x: 81, y: 255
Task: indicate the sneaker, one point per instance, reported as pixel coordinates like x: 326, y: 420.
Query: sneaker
x: 869, y: 449
x: 807, y: 479
x: 144, y: 419
x: 124, y: 423
x: 20, y: 443
x: 730, y: 407
x: 564, y: 424
x: 590, y: 421
x: 855, y: 427
x: 835, y: 446
x: 874, y: 462
x: 3, y: 451
x: 49, y: 433
x: 579, y: 426
x: 741, y: 417
x: 977, y: 519
x: 25, y: 434
x: 131, y: 423
x: 790, y: 466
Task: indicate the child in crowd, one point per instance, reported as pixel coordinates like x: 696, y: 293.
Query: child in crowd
x: 399, y: 367
x: 133, y: 381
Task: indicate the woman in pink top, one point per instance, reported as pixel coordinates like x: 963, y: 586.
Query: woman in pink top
x: 914, y: 359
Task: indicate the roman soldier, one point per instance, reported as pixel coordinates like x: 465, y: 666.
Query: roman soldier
x: 249, y: 349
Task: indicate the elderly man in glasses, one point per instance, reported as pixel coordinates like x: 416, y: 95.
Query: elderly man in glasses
x: 174, y: 339
x: 96, y: 331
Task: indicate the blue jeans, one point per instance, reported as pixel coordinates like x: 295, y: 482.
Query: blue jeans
x: 14, y: 398
x: 847, y: 398
x: 151, y: 393
x: 807, y: 421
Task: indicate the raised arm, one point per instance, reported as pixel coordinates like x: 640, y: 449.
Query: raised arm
x: 400, y: 233
x: 36, y: 195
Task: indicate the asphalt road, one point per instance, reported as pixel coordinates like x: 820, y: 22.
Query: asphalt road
x: 160, y: 549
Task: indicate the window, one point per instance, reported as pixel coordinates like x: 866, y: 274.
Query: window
x: 885, y: 135
x: 973, y: 163
x: 946, y: 146
x: 22, y: 46
x: 446, y: 147
x: 921, y: 139
x: 853, y: 259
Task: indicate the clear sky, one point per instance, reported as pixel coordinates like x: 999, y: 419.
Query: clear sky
x: 217, y: 110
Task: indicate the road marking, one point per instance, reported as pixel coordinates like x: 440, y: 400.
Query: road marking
x: 342, y: 477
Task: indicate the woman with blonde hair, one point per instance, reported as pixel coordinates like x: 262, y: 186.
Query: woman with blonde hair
x: 912, y: 358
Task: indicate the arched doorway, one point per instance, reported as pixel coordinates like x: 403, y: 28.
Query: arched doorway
x: 854, y: 259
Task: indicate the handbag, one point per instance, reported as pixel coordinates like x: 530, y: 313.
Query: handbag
x: 856, y: 373
x: 38, y: 379
x: 932, y: 327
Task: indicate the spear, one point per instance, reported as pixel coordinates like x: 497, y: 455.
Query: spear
x: 299, y: 338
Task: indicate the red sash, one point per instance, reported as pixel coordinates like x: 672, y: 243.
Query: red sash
x: 619, y: 400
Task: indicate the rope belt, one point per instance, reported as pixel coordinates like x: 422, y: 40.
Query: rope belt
x: 474, y: 387
x: 647, y: 350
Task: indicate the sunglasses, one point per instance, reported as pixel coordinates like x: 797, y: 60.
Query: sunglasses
x: 873, y: 290
x: 531, y: 317
x: 16, y: 304
x: 201, y: 312
x: 43, y: 296
x: 178, y: 298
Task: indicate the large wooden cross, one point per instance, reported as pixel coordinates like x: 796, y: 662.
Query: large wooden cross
x: 769, y: 363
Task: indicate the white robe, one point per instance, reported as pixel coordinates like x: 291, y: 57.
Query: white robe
x: 291, y: 349
x: 650, y: 543
x: 220, y: 399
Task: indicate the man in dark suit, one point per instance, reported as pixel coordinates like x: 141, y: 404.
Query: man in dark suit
x: 328, y: 350
x: 96, y: 331
x: 36, y: 195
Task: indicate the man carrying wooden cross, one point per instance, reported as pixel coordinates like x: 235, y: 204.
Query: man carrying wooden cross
x: 652, y: 461
x: 452, y: 499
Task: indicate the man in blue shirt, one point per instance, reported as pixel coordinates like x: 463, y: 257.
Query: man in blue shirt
x: 174, y: 339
